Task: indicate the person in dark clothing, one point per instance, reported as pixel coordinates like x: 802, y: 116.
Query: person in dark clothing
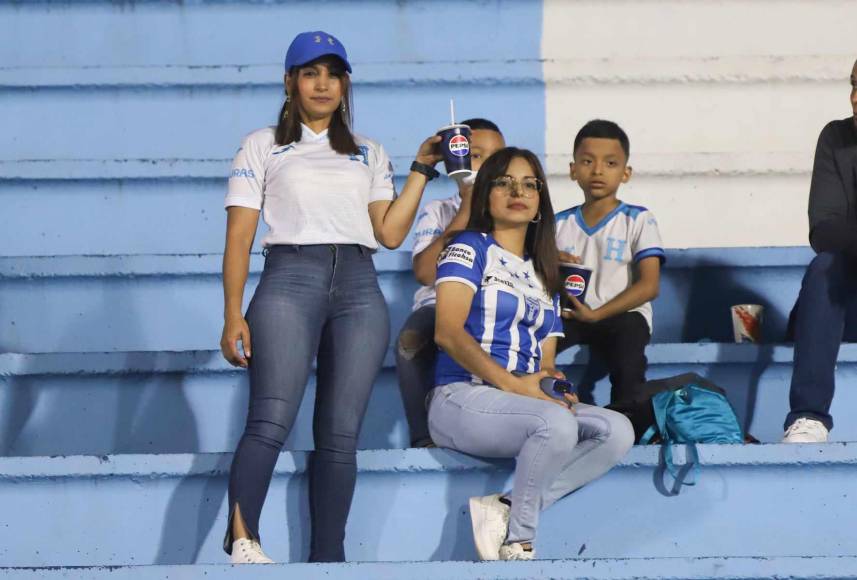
x: 827, y: 303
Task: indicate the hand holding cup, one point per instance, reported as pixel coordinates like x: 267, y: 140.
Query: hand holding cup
x: 567, y: 258
x: 580, y: 311
x: 428, y: 153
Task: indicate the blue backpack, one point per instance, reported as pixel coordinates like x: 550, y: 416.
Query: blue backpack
x: 689, y: 409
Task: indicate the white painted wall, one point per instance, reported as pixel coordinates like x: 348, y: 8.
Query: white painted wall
x: 723, y: 102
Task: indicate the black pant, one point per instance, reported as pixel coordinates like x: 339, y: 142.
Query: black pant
x: 620, y: 342
x: 416, y: 357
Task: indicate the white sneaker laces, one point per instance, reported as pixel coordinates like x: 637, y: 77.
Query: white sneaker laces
x: 250, y: 552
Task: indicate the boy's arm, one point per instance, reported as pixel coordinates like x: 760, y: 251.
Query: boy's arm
x: 645, y: 288
x: 425, y: 261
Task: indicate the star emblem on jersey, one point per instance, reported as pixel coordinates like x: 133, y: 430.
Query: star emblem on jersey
x: 503, y: 262
x: 527, y: 275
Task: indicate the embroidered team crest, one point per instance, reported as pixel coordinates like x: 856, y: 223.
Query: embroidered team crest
x: 362, y: 155
x: 533, y: 309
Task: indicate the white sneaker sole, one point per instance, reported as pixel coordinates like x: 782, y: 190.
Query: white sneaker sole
x: 803, y: 439
x: 485, y: 547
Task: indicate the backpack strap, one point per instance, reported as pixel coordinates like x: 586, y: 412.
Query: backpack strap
x: 649, y: 435
x: 684, y: 475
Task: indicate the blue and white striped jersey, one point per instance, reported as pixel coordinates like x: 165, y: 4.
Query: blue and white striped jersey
x: 511, y: 313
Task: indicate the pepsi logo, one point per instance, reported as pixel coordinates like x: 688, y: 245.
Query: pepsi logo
x: 459, y: 146
x: 575, y: 285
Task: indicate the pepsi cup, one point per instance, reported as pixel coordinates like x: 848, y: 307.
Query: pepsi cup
x: 575, y: 280
x: 455, y: 148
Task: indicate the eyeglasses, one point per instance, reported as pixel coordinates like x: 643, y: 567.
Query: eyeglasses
x: 528, y: 187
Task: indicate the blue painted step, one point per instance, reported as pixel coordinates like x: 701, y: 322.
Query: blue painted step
x: 174, y: 302
x: 411, y: 506
x: 576, y: 569
x: 188, y: 79
x: 102, y: 403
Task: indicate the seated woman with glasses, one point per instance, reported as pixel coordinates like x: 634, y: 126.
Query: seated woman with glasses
x: 498, y: 319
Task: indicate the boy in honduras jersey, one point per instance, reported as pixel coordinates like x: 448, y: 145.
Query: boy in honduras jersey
x: 621, y: 244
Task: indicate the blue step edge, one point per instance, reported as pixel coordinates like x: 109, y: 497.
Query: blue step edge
x: 211, y: 361
x: 393, y: 73
x: 157, y: 466
x: 592, y: 568
x: 134, y: 265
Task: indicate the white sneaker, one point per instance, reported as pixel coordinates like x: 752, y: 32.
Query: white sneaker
x: 806, y: 430
x: 247, y: 551
x: 490, y: 519
x: 516, y: 551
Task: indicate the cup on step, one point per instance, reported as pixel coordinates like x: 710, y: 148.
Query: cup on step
x: 747, y: 322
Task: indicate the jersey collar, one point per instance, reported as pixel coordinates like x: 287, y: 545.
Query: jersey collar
x: 310, y: 136
x: 578, y: 215
x: 493, y: 241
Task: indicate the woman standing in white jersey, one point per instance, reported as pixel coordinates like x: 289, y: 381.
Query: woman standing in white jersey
x: 328, y: 198
x: 498, y: 316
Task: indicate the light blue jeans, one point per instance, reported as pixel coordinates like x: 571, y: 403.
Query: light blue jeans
x: 317, y: 302
x: 556, y: 451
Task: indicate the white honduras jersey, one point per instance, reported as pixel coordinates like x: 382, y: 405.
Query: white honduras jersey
x: 431, y: 223
x: 511, y: 312
x: 309, y: 193
x: 611, y: 249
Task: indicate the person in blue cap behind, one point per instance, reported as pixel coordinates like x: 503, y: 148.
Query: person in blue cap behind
x: 328, y: 199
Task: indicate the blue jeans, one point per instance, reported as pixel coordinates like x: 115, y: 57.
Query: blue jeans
x: 556, y: 451
x: 320, y: 301
x: 416, y: 357
x: 825, y: 312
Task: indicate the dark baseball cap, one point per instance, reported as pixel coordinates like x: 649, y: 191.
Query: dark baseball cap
x: 308, y: 46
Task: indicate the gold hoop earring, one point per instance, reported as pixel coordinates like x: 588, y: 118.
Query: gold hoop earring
x: 286, y: 108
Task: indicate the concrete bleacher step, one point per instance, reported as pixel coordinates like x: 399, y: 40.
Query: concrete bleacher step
x: 189, y: 402
x: 571, y: 569
x: 411, y: 506
x: 175, y: 302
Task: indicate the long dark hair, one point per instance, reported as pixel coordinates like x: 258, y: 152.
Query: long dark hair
x: 339, y: 132
x: 540, y: 242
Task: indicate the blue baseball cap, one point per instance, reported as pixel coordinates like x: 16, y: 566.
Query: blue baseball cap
x: 308, y: 46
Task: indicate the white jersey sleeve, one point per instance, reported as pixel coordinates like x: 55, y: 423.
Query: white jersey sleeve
x: 383, y: 188
x: 247, y: 177
x: 429, y: 227
x: 646, y: 238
